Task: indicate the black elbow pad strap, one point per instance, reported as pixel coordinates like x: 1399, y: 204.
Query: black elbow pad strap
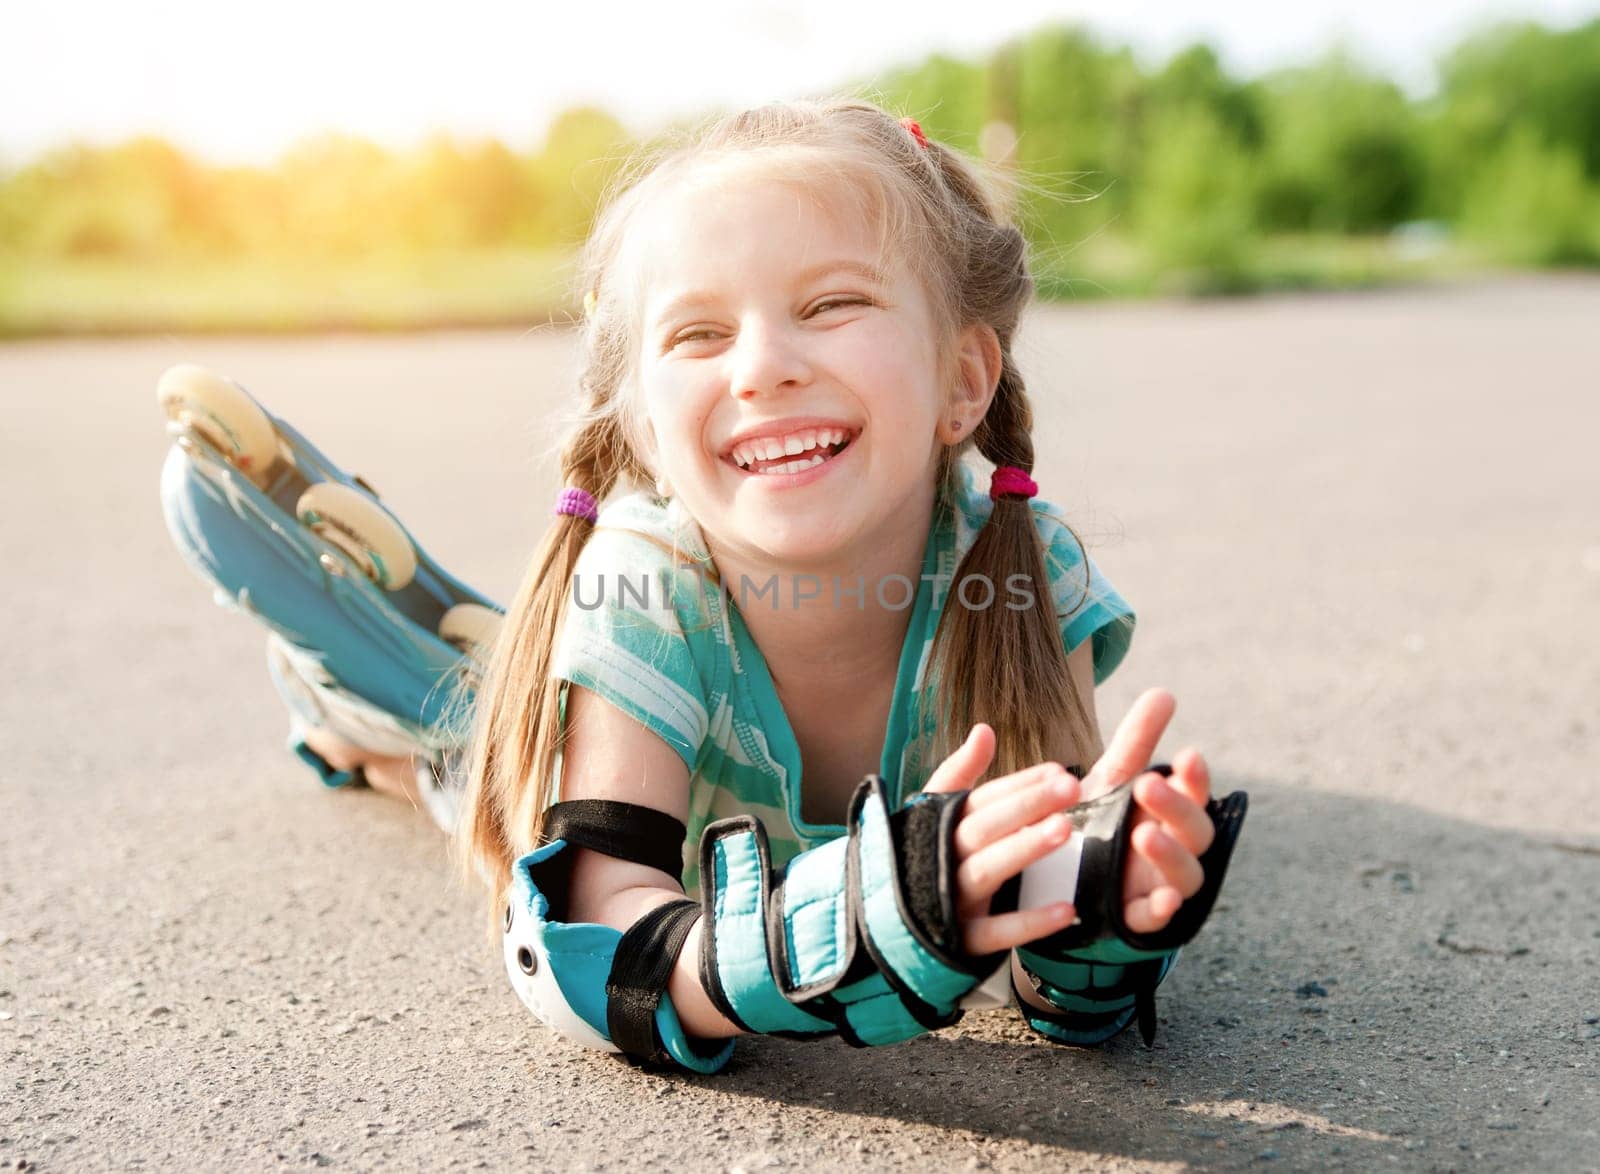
x: 626, y: 831
x: 640, y: 969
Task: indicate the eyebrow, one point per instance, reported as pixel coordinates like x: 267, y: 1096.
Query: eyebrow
x: 873, y: 273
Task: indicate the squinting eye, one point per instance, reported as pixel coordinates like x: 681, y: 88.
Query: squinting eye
x: 822, y: 305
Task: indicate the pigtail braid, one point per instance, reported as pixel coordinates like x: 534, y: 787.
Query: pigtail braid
x: 516, y: 732
x: 1028, y: 694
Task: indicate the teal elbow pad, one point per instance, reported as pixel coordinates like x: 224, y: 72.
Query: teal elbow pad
x: 564, y: 972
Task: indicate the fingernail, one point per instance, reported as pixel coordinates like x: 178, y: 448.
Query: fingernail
x: 1065, y: 912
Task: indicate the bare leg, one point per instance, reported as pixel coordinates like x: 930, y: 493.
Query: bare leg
x: 392, y: 774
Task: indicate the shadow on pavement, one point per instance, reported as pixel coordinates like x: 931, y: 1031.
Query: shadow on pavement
x: 1374, y: 973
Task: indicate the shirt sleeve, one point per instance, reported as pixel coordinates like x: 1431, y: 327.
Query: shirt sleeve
x: 1087, y: 606
x: 622, y: 639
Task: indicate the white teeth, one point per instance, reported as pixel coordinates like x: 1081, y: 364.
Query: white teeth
x: 770, y: 450
x: 793, y: 466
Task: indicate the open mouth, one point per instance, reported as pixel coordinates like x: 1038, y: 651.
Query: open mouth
x: 794, y: 454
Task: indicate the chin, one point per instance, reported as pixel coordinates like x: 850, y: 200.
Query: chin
x: 797, y: 542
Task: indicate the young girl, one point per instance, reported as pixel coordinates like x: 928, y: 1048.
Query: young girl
x: 798, y: 326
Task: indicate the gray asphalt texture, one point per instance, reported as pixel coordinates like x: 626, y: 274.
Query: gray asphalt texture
x: 1362, y: 533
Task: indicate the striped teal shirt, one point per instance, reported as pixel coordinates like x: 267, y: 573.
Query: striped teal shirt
x: 648, y: 632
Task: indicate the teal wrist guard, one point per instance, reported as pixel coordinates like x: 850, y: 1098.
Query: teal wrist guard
x: 1098, y: 974
x: 858, y: 936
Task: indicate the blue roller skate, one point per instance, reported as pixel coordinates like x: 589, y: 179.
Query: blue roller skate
x: 367, y: 634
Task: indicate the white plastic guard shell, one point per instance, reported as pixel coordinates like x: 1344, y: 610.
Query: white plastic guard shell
x: 1045, y: 881
x: 1053, y: 877
x: 539, y: 991
x: 992, y: 992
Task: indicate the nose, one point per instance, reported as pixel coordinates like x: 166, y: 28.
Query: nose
x: 766, y: 359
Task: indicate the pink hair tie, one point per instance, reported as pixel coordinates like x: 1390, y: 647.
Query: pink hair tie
x: 916, y: 132
x: 579, y: 503
x: 1010, y: 479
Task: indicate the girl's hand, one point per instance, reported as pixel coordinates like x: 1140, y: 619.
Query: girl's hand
x: 1007, y: 824
x: 1171, y: 829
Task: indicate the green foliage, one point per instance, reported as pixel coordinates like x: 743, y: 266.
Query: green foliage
x: 1146, y: 177
x: 1340, y: 152
x: 1194, y: 79
x: 947, y: 97
x: 1525, y: 75
x: 581, y: 153
x: 1192, y: 209
x: 1077, y: 106
x: 1529, y: 204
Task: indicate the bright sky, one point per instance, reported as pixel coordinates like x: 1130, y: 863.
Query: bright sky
x: 239, y: 82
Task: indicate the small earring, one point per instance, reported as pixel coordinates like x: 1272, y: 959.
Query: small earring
x: 662, y: 488
x: 955, y: 425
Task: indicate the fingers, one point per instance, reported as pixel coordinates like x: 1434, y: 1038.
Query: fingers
x: 980, y: 875
x: 985, y: 935
x: 1151, y: 912
x: 1179, y: 815
x: 1028, y: 797
x: 1192, y: 776
x: 996, y: 790
x: 965, y: 767
x: 1133, y: 743
x: 1176, y: 864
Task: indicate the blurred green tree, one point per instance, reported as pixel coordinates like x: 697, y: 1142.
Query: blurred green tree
x: 1507, y: 77
x: 1340, y: 150
x: 1192, y: 207
x: 1529, y: 204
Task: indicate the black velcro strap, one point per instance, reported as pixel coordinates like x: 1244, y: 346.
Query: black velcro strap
x: 1227, y: 818
x: 639, y: 972
x: 927, y: 873
x: 627, y: 831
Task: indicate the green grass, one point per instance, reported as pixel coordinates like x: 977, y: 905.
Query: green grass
x: 66, y: 296
x: 52, y: 296
x: 1106, y: 266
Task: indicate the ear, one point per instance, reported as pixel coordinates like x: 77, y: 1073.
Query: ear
x: 979, y: 360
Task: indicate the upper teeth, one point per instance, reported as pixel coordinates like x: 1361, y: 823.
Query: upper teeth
x: 771, y: 449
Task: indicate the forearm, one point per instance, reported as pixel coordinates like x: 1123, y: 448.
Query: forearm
x: 840, y: 940
x: 696, y: 1011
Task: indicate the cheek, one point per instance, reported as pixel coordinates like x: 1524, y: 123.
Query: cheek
x: 896, y: 371
x: 678, y: 415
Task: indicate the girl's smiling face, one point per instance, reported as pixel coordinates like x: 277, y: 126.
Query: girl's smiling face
x: 788, y: 372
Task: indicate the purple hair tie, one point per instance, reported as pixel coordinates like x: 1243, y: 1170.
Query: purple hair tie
x: 579, y: 503
x: 1010, y: 479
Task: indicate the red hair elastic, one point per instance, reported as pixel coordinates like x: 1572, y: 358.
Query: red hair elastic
x: 1010, y: 479
x: 916, y: 132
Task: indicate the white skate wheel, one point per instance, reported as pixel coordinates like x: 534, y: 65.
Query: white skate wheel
x: 472, y: 628
x: 363, y: 529
x: 202, y: 401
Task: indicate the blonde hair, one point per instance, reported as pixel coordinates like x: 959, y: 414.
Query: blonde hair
x: 937, y: 212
